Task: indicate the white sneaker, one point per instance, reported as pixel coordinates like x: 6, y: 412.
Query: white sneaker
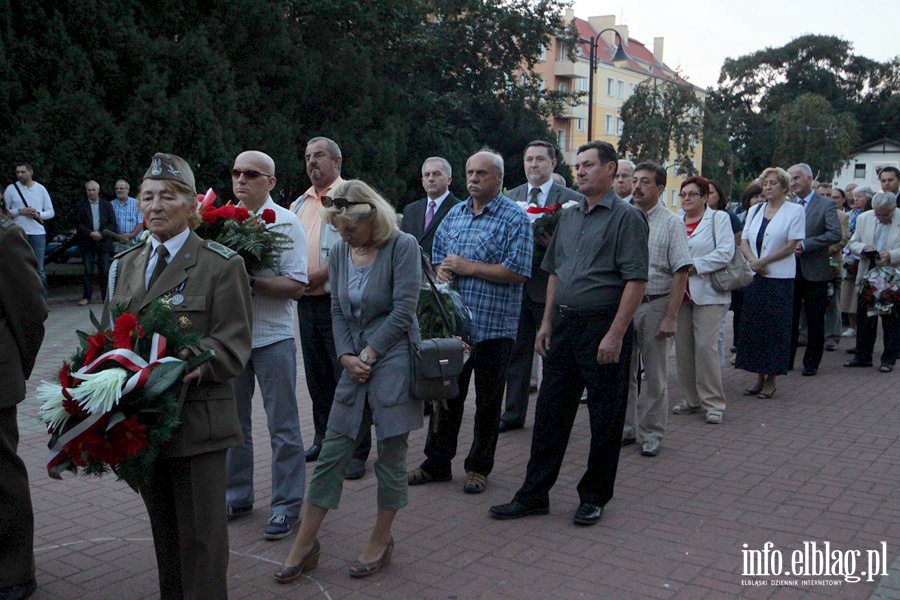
x: 849, y: 332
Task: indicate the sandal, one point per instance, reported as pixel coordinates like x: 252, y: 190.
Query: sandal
x: 421, y: 477
x: 475, y: 483
x: 752, y: 392
x: 766, y: 396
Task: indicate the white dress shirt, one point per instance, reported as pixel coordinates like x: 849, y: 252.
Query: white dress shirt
x: 437, y: 205
x: 545, y: 193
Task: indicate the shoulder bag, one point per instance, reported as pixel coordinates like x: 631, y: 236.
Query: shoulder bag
x: 733, y: 276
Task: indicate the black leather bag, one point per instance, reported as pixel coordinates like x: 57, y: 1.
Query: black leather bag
x: 438, y: 361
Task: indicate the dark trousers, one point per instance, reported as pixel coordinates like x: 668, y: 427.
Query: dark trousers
x: 737, y: 304
x: 812, y: 298
x: 320, y: 364
x: 185, y: 499
x: 867, y: 331
x: 92, y: 256
x: 16, y: 516
x: 488, y: 360
x: 518, y: 375
x: 570, y: 366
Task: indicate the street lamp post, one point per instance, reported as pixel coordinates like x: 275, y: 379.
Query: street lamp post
x: 619, y: 60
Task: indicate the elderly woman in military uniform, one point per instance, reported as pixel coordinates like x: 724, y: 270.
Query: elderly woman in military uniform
x: 207, y: 288
x: 375, y: 274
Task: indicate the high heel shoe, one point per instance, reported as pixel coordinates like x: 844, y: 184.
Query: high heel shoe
x: 765, y: 396
x: 752, y: 392
x: 360, y: 569
x: 307, y: 563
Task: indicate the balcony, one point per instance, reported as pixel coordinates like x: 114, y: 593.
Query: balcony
x: 568, y: 69
x: 574, y: 112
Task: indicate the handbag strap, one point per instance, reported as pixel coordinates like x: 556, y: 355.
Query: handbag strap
x: 426, y: 268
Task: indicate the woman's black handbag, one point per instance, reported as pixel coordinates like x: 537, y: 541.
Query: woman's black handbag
x: 438, y: 361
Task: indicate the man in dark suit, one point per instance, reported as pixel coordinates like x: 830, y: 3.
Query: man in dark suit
x: 422, y: 217
x: 813, y: 270
x: 22, y: 314
x: 542, y: 192
x: 93, y: 217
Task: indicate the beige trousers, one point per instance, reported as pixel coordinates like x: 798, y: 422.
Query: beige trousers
x: 646, y: 416
x: 697, y: 355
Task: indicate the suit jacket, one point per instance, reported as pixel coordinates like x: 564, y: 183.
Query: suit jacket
x: 536, y: 286
x: 414, y: 220
x: 216, y: 305
x: 865, y: 235
x: 84, y: 224
x: 22, y: 312
x: 822, y: 230
x: 388, y: 324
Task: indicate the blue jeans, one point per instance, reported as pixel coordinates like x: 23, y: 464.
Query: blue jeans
x: 39, y: 246
x: 275, y: 367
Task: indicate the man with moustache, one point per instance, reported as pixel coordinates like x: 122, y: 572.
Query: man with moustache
x: 422, y: 217
x: 483, y: 247
x: 273, y: 358
x: 320, y: 362
x: 622, y: 184
x: 598, y: 263
x: 542, y: 192
x: 129, y: 221
x: 655, y: 318
x: 813, y: 271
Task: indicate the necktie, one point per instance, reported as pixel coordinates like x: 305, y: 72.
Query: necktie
x: 533, y: 196
x: 802, y: 203
x: 430, y: 214
x: 161, y: 264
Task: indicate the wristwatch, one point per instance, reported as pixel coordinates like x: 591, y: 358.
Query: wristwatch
x: 364, y: 356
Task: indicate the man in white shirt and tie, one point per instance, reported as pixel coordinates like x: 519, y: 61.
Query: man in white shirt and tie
x: 422, y: 217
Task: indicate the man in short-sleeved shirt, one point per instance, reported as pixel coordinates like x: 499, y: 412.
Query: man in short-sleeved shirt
x: 655, y: 318
x: 598, y: 263
x: 273, y: 359
x: 483, y: 247
x: 129, y: 220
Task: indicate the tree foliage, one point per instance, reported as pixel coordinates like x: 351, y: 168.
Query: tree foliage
x: 661, y: 118
x: 758, y: 92
x: 91, y: 89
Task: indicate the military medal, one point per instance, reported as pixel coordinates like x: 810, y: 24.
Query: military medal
x: 177, y: 299
x: 184, y: 322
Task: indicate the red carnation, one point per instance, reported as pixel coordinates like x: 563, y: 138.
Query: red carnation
x: 96, y: 344
x: 227, y: 211
x: 210, y: 215
x: 124, y: 330
x: 65, y: 377
x: 268, y: 216
x: 88, y: 447
x: 241, y: 214
x: 129, y: 438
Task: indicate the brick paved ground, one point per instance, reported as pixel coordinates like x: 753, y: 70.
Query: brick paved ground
x: 819, y: 462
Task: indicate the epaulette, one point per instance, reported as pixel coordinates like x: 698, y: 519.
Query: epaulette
x: 127, y: 250
x: 223, y: 251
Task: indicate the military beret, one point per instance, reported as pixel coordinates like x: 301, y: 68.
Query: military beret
x: 169, y: 166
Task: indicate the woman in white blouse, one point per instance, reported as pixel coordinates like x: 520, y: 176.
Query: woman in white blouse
x: 711, y: 243
x: 772, y: 231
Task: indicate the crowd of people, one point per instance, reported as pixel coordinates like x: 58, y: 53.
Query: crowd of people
x: 601, y: 301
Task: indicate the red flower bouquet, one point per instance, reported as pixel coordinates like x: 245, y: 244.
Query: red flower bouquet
x: 252, y: 236
x: 116, y: 401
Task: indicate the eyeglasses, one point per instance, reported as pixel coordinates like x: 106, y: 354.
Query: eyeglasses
x: 248, y: 174
x: 687, y: 195
x: 342, y: 203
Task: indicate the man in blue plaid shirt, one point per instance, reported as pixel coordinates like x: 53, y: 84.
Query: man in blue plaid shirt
x: 129, y: 221
x: 483, y: 247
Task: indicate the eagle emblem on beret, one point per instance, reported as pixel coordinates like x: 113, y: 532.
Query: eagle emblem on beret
x: 156, y: 167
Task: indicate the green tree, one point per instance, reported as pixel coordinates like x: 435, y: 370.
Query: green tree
x: 662, y: 119
x: 808, y: 131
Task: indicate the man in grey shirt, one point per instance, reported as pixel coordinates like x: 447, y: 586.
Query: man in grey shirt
x: 598, y: 264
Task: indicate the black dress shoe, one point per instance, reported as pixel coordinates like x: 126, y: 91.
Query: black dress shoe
x: 508, y: 426
x: 515, y: 510
x: 809, y: 371
x: 313, y: 453
x: 588, y: 514
x: 356, y: 470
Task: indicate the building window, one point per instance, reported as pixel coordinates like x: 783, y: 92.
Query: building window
x: 620, y: 124
x: 610, y: 125
x: 633, y: 89
x: 579, y: 124
x: 543, y: 55
x: 561, y: 138
x: 523, y: 80
x: 610, y: 87
x: 582, y: 84
x: 563, y: 88
x: 674, y: 197
x: 859, y: 171
x: 542, y: 85
x: 621, y: 90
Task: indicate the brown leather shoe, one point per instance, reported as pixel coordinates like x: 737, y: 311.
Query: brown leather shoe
x: 360, y: 569
x: 307, y: 563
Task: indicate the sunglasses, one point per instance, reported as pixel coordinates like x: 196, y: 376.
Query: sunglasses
x: 248, y: 174
x: 343, y: 203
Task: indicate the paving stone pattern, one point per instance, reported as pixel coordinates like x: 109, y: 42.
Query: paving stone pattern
x: 819, y: 462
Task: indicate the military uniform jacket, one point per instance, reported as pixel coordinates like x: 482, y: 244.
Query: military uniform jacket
x: 214, y: 302
x: 22, y: 313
